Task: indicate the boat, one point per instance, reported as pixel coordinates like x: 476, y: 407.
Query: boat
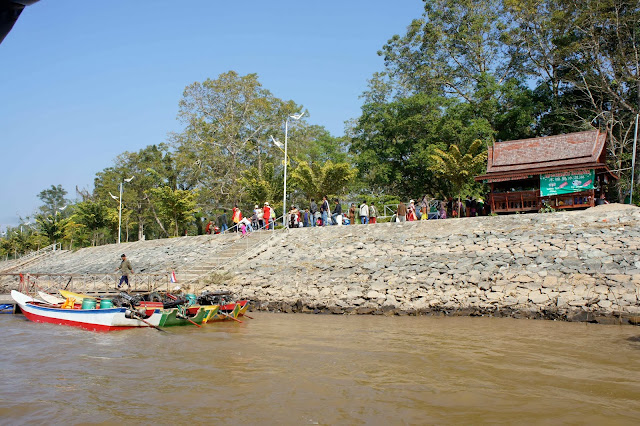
x: 6, y: 308
x: 78, y: 296
x: 211, y: 312
x: 109, y: 319
x: 176, y: 316
x: 228, y: 310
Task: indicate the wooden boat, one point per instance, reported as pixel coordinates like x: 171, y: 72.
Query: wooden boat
x: 211, y: 312
x: 177, y: 317
x: 89, y: 319
x: 228, y: 312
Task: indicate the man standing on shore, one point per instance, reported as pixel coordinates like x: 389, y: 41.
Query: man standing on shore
x: 222, y: 221
x: 325, y: 211
x: 313, y: 208
x: 337, y: 213
x: 401, y: 214
x: 364, y: 213
x: 125, y: 269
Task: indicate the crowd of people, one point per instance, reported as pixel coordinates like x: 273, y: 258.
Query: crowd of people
x: 327, y: 213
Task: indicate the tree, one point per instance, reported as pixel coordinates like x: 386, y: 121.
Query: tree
x: 585, y: 58
x: 52, y: 226
x: 456, y: 46
x: 175, y: 206
x: 93, y: 216
x: 457, y: 168
x: 228, y: 122
x: 53, y: 199
x: 317, y: 180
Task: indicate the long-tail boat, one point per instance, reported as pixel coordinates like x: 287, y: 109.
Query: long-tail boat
x: 109, y: 319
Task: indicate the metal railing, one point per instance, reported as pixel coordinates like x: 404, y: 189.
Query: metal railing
x: 88, y: 283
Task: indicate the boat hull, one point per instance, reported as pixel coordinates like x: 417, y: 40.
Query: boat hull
x: 170, y: 318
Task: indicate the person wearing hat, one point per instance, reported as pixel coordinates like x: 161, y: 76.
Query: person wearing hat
x: 411, y: 211
x: 125, y: 269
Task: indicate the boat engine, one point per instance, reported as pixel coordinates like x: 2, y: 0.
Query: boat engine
x: 174, y: 303
x: 133, y: 314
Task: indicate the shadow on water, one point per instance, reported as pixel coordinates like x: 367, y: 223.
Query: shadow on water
x: 635, y: 339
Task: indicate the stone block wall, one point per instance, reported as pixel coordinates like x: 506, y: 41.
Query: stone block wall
x: 582, y: 265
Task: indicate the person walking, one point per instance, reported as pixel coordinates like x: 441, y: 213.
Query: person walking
x: 373, y: 214
x: 364, y: 213
x: 313, y: 209
x: 125, y: 269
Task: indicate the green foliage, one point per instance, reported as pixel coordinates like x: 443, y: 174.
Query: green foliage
x: 52, y: 226
x: 92, y: 217
x: 228, y: 122
x: 546, y: 208
x: 317, y: 180
x: 459, y: 169
x: 53, y: 199
x: 175, y: 206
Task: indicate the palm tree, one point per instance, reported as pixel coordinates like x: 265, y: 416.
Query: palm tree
x: 457, y: 168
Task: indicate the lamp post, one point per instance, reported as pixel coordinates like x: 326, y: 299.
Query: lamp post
x: 286, y: 134
x: 633, y: 160
x: 120, y: 208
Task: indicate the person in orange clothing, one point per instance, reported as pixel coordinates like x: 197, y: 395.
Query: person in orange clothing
x: 236, y: 216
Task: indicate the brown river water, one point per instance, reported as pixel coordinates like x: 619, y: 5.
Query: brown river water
x: 297, y: 369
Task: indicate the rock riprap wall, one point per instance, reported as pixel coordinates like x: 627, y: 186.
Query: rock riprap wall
x: 579, y: 265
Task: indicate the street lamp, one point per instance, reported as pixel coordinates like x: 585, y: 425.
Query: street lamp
x: 120, y: 208
x: 279, y: 145
x: 633, y: 161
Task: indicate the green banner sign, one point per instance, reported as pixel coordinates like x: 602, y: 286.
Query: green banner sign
x: 566, y: 182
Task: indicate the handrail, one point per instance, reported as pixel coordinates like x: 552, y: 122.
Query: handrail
x: 20, y: 261
x: 83, y: 282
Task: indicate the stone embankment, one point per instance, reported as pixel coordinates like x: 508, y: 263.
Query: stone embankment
x: 580, y: 265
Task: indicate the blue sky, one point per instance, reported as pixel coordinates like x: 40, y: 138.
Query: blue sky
x: 83, y: 81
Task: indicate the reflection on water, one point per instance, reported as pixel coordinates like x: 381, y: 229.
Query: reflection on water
x: 311, y: 369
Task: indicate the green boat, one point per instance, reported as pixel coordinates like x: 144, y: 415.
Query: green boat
x: 176, y: 316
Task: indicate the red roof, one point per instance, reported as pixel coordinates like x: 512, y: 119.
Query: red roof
x: 582, y: 150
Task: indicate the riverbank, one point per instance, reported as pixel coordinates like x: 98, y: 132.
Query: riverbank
x: 575, y: 266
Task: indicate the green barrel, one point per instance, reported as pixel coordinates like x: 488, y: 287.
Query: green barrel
x: 89, y: 303
x: 106, y: 304
x: 192, y: 299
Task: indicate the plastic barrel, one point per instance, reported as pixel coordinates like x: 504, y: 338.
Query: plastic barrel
x: 106, y: 304
x: 192, y: 299
x: 89, y: 303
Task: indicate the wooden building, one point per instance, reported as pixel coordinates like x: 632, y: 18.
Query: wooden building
x: 563, y: 171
